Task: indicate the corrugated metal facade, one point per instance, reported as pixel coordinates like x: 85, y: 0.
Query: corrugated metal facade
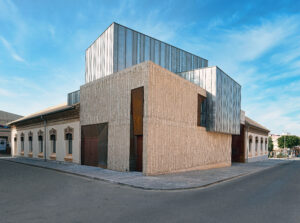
x: 74, y: 97
x: 99, y: 56
x: 120, y: 47
x: 223, y: 98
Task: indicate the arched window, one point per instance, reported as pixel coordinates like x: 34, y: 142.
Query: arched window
x: 256, y: 143
x: 69, y: 140
x: 30, y: 141
x: 22, y: 142
x: 40, y: 138
x: 261, y: 144
x: 266, y: 144
x: 52, y: 134
x: 250, y: 144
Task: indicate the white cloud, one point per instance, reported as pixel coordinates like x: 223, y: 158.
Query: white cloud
x: 276, y: 119
x: 81, y: 17
x: 6, y: 93
x: 17, y: 57
x: 287, y: 56
x: 218, y: 22
x: 29, y: 96
x: 51, y: 30
x: 230, y: 48
x: 10, y: 49
x: 150, y: 23
x: 7, y: 9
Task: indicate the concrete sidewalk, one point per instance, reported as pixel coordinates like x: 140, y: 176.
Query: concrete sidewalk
x: 187, y: 180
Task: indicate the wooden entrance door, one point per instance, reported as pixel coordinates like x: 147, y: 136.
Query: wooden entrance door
x: 139, y: 155
x: 89, y: 153
x: 94, y: 140
x: 136, y: 125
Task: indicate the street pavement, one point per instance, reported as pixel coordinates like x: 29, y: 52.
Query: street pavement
x: 31, y: 194
x: 175, y: 181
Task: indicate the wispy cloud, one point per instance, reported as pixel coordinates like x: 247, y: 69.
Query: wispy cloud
x: 11, y: 50
x: 253, y: 42
x: 150, y: 23
x: 233, y: 47
x: 51, y: 30
x: 7, y: 9
x: 276, y: 115
x: 220, y: 22
x: 6, y: 93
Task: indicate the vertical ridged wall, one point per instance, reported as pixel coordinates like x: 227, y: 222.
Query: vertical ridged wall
x: 228, y: 104
x: 99, y: 56
x: 223, y: 98
x: 120, y: 47
x: 74, y: 97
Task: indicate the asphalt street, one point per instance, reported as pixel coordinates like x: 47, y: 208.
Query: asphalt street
x: 32, y: 194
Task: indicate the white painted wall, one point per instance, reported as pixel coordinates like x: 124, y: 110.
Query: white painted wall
x: 61, y: 145
x: 262, y: 149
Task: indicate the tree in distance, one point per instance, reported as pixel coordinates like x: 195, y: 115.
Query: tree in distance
x: 288, y: 141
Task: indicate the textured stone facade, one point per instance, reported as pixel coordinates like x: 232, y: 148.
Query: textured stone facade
x: 172, y: 140
x: 108, y: 100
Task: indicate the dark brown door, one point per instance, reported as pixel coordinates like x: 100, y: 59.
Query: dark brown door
x: 90, y: 151
x: 94, y: 145
x: 136, y: 129
x: 238, y: 146
x: 139, y: 157
x: 102, y: 144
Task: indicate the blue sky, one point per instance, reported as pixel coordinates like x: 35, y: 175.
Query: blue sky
x: 42, y: 46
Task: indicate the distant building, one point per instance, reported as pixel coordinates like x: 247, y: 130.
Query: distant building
x: 6, y: 117
x: 275, y: 138
x: 252, y: 144
x: 146, y: 106
x: 5, y: 134
x: 276, y: 149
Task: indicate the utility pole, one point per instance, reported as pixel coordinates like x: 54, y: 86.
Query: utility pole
x: 284, y: 142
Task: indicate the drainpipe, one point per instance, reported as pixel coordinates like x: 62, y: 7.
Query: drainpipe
x: 45, y: 138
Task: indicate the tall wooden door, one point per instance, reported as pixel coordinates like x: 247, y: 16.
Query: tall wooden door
x: 136, y: 125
